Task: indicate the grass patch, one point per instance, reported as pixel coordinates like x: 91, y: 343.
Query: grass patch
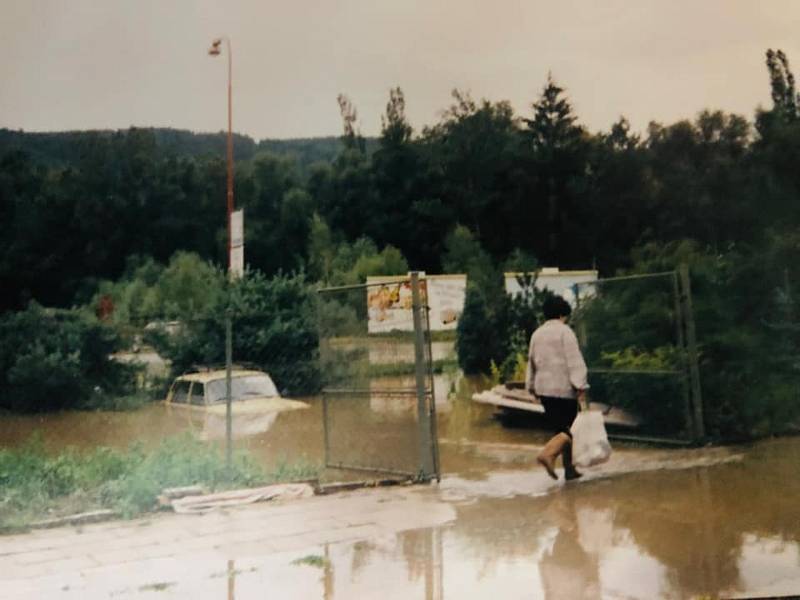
x: 232, y: 573
x: 407, y: 368
x: 448, y: 335
x: 156, y: 587
x: 34, y: 486
x: 312, y: 560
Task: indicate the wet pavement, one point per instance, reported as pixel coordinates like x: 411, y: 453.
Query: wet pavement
x: 651, y: 523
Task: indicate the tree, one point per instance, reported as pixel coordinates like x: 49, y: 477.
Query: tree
x: 473, y: 331
x: 353, y: 263
x: 615, y: 215
x: 697, y: 184
x: 275, y: 328
x: 345, y: 195
x: 475, y: 156
x: 56, y: 359
x: 399, y: 179
x: 277, y: 214
x: 774, y: 177
x: 351, y: 138
x: 464, y: 254
x: 321, y: 250
x: 784, y: 98
x: 559, y: 152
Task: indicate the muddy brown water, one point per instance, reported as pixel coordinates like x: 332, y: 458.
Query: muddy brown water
x: 651, y: 523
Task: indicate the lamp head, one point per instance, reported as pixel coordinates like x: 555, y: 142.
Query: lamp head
x: 215, y: 47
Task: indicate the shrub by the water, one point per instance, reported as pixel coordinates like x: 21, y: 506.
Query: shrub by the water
x: 274, y: 328
x: 53, y: 359
x: 34, y: 484
x: 474, y: 330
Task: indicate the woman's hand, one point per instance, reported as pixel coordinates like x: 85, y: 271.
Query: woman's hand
x: 582, y: 399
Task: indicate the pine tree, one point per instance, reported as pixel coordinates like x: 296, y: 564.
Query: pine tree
x: 473, y: 334
x: 559, y: 163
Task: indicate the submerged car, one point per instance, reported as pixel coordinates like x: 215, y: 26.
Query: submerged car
x: 255, y: 401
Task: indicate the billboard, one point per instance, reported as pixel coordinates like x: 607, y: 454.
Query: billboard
x: 389, y: 302
x: 560, y: 283
x: 389, y: 298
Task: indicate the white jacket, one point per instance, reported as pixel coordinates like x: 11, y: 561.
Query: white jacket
x: 555, y: 363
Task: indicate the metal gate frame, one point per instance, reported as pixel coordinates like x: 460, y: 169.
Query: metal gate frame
x: 686, y: 340
x: 427, y: 433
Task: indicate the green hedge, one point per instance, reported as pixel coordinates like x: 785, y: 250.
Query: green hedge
x: 58, y: 359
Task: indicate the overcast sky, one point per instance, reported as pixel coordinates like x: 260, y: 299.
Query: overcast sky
x: 86, y: 64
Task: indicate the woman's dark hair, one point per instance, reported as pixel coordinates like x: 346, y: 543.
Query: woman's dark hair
x: 555, y: 307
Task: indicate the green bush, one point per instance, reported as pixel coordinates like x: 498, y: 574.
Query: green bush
x: 337, y: 319
x: 656, y: 397
x: 474, y: 332
x: 274, y: 328
x: 495, y: 328
x: 747, y: 332
x: 57, y: 359
x: 150, y: 291
x: 178, y: 461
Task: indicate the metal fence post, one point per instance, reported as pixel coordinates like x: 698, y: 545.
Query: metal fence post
x: 434, y: 425
x: 423, y: 415
x: 228, y: 416
x: 582, y: 338
x: 679, y: 325
x: 691, y: 348
x: 325, y: 433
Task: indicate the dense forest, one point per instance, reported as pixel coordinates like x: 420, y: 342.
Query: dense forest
x: 481, y: 190
x: 77, y: 205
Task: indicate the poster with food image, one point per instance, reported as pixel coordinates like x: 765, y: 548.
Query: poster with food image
x: 389, y: 302
x: 447, y: 293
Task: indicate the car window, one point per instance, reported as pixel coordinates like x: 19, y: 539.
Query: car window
x: 180, y: 392
x: 197, y: 396
x: 249, y: 386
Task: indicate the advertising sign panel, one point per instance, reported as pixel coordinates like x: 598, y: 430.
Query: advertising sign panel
x: 389, y: 302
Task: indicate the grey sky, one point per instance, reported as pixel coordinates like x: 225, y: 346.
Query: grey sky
x: 81, y: 64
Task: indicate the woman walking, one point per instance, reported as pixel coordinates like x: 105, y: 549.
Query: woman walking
x: 556, y: 375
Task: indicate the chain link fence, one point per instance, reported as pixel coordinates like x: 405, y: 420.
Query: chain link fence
x: 377, y: 378
x: 637, y: 335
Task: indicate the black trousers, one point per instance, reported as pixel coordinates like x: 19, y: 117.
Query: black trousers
x: 559, y: 413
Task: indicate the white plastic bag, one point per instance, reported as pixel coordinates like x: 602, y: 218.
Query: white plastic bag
x: 589, y: 440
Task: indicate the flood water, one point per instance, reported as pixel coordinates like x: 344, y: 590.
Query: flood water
x: 651, y: 523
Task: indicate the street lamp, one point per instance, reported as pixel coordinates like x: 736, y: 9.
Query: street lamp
x: 216, y: 50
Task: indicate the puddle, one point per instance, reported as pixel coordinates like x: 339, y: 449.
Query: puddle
x: 712, y: 527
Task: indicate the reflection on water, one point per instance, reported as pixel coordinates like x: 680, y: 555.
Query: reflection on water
x: 723, y: 529
x: 711, y: 531
x: 767, y: 564
x: 386, y: 352
x: 729, y: 529
x: 649, y: 524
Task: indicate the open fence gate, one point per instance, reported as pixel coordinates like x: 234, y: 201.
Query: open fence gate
x: 378, y: 405
x: 638, y: 336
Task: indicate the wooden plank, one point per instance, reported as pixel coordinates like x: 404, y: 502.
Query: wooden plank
x: 660, y: 441
x: 497, y: 400
x: 516, y: 399
x: 94, y: 516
